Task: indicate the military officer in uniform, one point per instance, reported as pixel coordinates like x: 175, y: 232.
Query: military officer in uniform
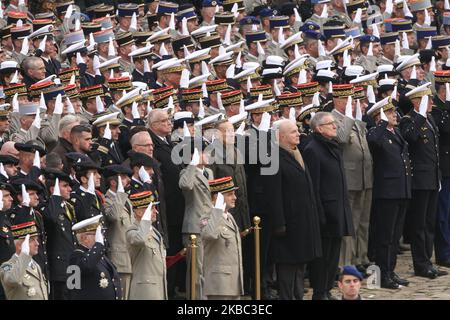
x: 118, y: 218
x: 59, y: 217
x: 20, y: 276
x: 7, y: 247
x: 222, y: 262
x: 351, y: 135
x: 147, y: 251
x: 107, y: 128
x: 99, y: 277
x: 391, y: 189
x: 28, y: 205
x: 421, y: 132
x: 87, y: 200
x: 441, y: 115
x: 368, y: 59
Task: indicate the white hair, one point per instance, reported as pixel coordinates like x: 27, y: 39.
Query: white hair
x: 65, y: 124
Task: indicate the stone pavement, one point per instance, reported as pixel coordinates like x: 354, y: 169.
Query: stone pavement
x: 418, y: 289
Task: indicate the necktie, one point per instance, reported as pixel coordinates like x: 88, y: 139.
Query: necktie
x: 205, y: 173
x: 68, y: 212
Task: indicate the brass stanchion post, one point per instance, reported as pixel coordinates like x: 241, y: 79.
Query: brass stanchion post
x: 193, y: 238
x: 256, y: 228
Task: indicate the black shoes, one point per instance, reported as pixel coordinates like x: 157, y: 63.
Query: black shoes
x: 439, y: 273
x: 427, y: 273
x: 398, y: 280
x: 389, y: 283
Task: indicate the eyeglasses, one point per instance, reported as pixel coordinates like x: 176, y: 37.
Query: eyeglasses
x: 148, y: 145
x: 328, y: 123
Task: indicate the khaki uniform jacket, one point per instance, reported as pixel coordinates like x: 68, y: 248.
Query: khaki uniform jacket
x: 22, y: 281
x: 126, y: 66
x: 222, y: 260
x: 351, y: 134
x: 369, y: 63
x: 148, y: 260
x: 197, y: 196
x: 118, y: 213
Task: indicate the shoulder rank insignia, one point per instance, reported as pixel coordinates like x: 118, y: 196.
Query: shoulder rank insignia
x: 103, y: 149
x: 7, y: 267
x: 73, y: 199
x: 5, y: 229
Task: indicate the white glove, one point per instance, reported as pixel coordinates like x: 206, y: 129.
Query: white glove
x: 389, y: 7
x: 265, y: 122
x: 91, y: 184
x: 37, y: 120
x: 70, y: 108
x: 120, y: 187
x: 107, y: 134
x: 99, y: 235
x: 1, y: 201
x: 220, y: 202
x: 423, y: 106
x: 68, y: 12
x: 195, y: 158
x: 349, y: 108
x: 58, y: 105
x: 383, y: 115
x: 25, y: 197
x: 358, y: 111
x: 146, y: 66
x: 56, y: 190
x: 26, y: 245
x: 134, y: 111
x: 25, y: 46
x: 3, y: 172
x: 143, y: 175
x: 37, y: 160
x: 79, y: 59
x: 42, y: 44
x: 148, y: 213
x: 186, y: 132
x: 96, y: 63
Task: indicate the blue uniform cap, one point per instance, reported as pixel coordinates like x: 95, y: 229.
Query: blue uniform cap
x: 249, y: 20
x: 210, y: 3
x: 352, y: 271
x: 369, y: 38
x: 309, y: 26
x: 266, y: 12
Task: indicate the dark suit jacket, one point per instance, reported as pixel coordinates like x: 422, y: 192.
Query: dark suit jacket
x: 61, y: 239
x: 391, y: 164
x: 170, y: 175
x: 441, y: 116
x: 423, y: 140
x: 324, y: 160
x: 293, y: 205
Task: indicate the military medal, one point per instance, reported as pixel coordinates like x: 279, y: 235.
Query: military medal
x: 103, y: 281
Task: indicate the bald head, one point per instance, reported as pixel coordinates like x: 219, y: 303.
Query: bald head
x: 288, y: 135
x: 142, y: 142
x: 8, y: 149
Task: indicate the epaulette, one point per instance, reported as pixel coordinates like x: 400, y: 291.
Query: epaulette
x: 103, y: 149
